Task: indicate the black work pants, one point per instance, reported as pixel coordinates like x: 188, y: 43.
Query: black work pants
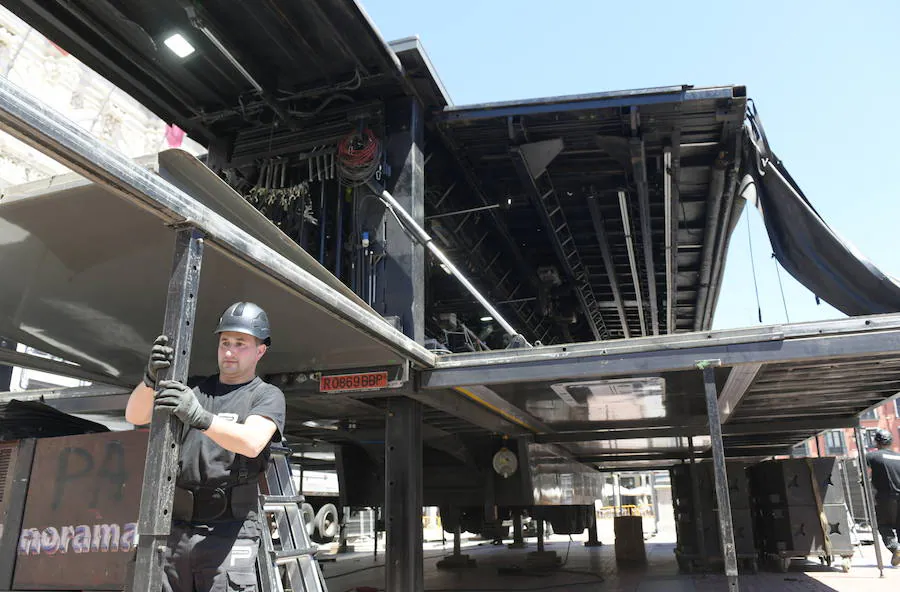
x: 212, y: 558
x: 887, y: 511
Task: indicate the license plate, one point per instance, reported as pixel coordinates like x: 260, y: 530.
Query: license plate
x: 366, y: 381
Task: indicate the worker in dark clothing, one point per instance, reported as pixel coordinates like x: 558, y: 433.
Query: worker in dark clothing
x: 885, y: 466
x: 230, y: 419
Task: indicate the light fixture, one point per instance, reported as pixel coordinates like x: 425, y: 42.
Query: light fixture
x: 179, y: 45
x: 487, y: 319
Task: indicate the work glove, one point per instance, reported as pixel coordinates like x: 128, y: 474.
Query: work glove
x: 161, y: 356
x: 180, y: 400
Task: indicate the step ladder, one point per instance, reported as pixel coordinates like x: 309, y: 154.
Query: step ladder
x: 294, y: 557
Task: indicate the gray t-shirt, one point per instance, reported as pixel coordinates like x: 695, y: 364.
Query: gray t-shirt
x: 205, y: 463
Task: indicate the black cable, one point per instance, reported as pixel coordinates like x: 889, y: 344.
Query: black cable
x: 753, y: 268
x: 781, y: 287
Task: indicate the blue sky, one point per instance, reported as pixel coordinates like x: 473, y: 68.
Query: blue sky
x: 824, y: 76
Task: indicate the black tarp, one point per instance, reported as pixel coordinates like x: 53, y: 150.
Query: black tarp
x: 31, y: 419
x: 804, y: 244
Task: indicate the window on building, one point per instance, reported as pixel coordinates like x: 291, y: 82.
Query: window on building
x: 897, y: 407
x: 869, y: 437
x: 800, y: 450
x: 870, y: 414
x: 834, y: 443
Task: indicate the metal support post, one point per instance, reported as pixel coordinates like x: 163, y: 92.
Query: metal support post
x: 403, y: 496
x: 723, y: 499
x: 593, y: 538
x: 697, y: 504
x: 869, y: 497
x: 164, y: 446
x: 15, y: 513
x: 617, y: 493
x: 457, y: 560
x: 518, y: 539
x: 654, y: 501
x: 542, y: 560
x: 342, y: 537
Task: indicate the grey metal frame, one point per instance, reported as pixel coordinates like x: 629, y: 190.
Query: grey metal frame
x: 164, y: 445
x: 723, y: 498
x: 858, y: 336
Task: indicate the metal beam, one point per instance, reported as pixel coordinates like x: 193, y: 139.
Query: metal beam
x: 608, y: 264
x: 79, y: 399
x: 632, y: 259
x: 590, y: 102
x: 732, y: 429
x: 164, y: 444
x: 638, y: 456
x: 787, y: 426
x: 671, y: 239
x: 731, y: 213
x: 595, y: 435
x: 854, y: 337
x: 10, y: 357
x: 560, y: 236
x: 465, y: 408
x: 639, y: 168
x: 736, y: 386
x: 713, y: 209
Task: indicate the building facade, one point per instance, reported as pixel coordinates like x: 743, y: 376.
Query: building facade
x: 843, y: 442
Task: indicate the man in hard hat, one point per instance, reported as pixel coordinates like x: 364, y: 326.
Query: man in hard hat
x: 230, y: 419
x: 885, y: 466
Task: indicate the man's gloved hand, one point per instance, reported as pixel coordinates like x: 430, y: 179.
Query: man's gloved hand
x: 160, y: 358
x: 179, y: 400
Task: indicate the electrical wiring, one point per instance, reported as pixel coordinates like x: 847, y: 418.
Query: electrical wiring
x: 359, y: 156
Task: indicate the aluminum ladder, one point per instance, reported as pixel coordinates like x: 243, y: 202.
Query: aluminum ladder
x: 294, y: 554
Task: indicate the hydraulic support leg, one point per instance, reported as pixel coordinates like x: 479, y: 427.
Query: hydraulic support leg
x: 518, y: 539
x: 723, y: 499
x: 869, y: 497
x: 457, y: 560
x: 403, y: 496
x: 593, y: 539
x: 540, y: 536
x: 542, y: 560
x: 164, y: 446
